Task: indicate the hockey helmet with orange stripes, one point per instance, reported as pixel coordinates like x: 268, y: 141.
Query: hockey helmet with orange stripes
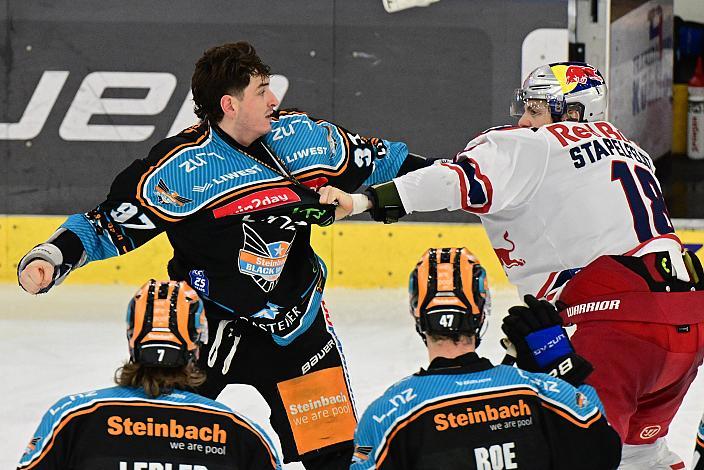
x: 449, y: 293
x: 166, y: 324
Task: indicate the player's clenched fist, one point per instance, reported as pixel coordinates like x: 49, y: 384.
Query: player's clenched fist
x: 343, y: 200
x: 36, y: 276
x: 347, y: 204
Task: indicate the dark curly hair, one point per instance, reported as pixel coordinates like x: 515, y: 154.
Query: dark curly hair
x: 223, y: 70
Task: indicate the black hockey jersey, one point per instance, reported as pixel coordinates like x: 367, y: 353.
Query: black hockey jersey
x: 239, y: 218
x: 123, y: 429
x: 465, y: 413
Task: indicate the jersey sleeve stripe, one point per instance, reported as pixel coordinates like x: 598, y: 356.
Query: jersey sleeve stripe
x: 671, y: 236
x: 475, y: 183
x: 543, y: 290
x: 555, y: 281
x: 591, y: 419
x: 383, y: 450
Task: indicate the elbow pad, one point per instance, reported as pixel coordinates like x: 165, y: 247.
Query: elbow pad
x: 386, y: 203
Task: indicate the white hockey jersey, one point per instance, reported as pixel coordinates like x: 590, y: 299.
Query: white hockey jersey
x: 551, y: 199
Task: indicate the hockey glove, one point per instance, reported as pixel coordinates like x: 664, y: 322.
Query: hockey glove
x: 541, y: 343
x: 386, y: 203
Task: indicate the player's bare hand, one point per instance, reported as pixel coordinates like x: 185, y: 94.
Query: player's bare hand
x: 343, y: 200
x: 36, y: 276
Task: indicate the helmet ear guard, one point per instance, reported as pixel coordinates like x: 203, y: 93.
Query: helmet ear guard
x: 449, y: 293
x: 165, y: 324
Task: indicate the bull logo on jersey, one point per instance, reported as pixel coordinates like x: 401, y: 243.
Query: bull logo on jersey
x: 263, y: 261
x: 166, y: 196
x: 504, y: 255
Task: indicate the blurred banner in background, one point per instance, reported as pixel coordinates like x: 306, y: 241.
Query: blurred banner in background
x: 640, y: 74
x: 86, y: 87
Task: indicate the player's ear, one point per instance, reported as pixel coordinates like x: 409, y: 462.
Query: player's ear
x: 229, y: 105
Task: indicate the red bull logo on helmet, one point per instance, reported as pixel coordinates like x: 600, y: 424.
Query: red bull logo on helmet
x: 582, y: 74
x: 576, y: 77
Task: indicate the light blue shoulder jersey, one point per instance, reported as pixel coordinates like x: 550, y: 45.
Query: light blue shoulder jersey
x: 126, y: 418
x: 314, y: 146
x: 482, y: 403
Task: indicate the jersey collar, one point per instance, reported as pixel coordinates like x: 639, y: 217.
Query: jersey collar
x: 463, y: 364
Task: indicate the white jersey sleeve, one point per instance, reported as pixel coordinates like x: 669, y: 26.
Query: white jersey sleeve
x: 497, y: 170
x: 552, y: 200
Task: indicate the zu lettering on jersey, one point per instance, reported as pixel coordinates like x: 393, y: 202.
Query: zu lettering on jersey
x: 197, y: 161
x: 288, y: 130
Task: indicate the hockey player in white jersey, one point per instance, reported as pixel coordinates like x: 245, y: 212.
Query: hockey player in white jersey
x: 566, y: 196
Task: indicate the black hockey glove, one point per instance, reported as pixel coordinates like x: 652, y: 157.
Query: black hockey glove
x: 386, y: 203
x: 541, y: 343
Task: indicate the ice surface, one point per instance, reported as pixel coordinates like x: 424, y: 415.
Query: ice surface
x: 73, y: 339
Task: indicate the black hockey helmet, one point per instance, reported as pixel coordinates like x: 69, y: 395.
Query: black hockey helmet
x: 165, y: 324
x: 449, y: 293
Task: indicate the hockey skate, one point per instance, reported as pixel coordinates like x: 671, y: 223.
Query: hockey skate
x: 655, y: 456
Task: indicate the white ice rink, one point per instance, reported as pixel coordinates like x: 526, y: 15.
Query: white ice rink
x: 73, y: 339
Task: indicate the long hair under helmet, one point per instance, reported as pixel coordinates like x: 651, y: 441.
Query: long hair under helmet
x: 565, y: 86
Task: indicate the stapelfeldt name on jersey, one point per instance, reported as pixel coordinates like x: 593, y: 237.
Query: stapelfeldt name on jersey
x: 597, y: 141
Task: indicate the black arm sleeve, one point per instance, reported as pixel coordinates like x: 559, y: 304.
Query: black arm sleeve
x: 413, y: 162
x: 70, y: 246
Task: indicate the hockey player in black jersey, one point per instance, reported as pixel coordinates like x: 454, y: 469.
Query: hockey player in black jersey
x: 236, y: 197
x: 152, y: 419
x: 464, y: 413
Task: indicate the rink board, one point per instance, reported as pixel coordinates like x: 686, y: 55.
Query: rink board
x: 358, y: 254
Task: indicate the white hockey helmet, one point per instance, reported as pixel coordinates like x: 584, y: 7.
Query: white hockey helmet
x: 565, y: 86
